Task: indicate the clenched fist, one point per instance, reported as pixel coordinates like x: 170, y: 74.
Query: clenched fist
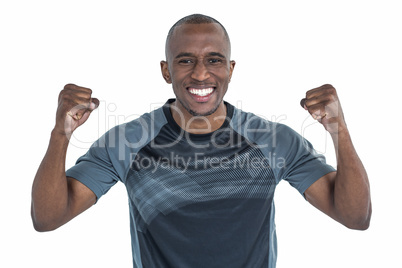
x: 74, y: 107
x: 324, y: 106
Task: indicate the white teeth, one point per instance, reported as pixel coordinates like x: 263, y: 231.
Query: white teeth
x: 201, y: 92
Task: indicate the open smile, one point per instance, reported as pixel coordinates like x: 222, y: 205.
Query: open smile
x: 202, y: 92
x: 201, y: 95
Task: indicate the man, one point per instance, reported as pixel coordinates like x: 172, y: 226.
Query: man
x: 200, y: 174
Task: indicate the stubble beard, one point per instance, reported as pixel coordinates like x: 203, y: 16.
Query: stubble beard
x: 194, y: 113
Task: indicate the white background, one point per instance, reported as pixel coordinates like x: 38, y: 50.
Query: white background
x: 282, y: 49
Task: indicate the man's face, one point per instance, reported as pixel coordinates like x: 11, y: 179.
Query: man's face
x: 198, y: 67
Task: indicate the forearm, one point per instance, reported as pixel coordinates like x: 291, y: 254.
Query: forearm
x: 352, y: 200
x: 50, y: 187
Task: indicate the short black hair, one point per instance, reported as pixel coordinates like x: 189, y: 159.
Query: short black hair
x: 194, y: 19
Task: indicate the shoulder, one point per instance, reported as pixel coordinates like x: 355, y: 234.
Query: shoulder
x: 135, y: 132
x: 259, y: 129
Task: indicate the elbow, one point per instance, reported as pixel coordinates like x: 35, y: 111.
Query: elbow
x: 40, y: 228
x: 360, y: 226
x: 41, y: 224
x: 361, y: 223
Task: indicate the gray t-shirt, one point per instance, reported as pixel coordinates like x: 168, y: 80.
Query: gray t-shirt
x: 201, y: 200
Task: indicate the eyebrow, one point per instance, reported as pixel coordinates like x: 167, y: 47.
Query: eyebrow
x: 184, y: 54
x: 187, y: 54
x: 216, y: 54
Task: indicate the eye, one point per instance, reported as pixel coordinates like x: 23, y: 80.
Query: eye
x: 185, y: 61
x: 215, y: 60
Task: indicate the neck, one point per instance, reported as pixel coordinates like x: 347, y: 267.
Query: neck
x: 198, y: 124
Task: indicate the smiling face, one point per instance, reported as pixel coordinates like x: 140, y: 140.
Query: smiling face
x: 199, y: 68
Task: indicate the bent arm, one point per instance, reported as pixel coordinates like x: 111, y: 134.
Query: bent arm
x: 344, y: 195
x: 56, y: 199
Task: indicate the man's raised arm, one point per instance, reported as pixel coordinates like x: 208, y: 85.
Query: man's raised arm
x: 345, y: 194
x: 56, y: 199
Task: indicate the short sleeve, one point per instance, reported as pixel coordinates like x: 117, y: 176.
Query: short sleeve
x: 95, y: 169
x: 302, y: 164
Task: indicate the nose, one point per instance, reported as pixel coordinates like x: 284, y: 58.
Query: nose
x: 200, y: 72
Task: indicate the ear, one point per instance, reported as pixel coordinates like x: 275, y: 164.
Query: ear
x: 165, y: 72
x: 232, y: 65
